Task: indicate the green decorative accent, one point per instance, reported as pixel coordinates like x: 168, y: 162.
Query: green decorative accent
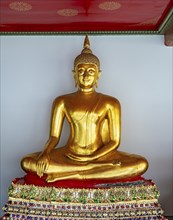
x: 45, y: 195
x: 133, y: 193
x: 82, y: 196
x: 98, y: 196
x: 142, y: 193
x: 10, y: 191
x: 32, y: 193
x: 123, y: 192
x: 53, y: 195
x: 120, y: 195
x: 24, y: 193
x: 67, y: 196
x: 112, y: 196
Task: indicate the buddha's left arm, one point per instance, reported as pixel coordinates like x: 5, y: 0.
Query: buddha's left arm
x: 114, y: 124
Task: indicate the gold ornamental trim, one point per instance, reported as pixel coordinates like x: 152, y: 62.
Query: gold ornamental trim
x: 68, y: 12
x: 20, y: 6
x: 128, y: 32
x: 109, y: 5
x: 77, y: 195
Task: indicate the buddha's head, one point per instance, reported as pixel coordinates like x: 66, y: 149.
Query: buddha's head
x: 86, y: 68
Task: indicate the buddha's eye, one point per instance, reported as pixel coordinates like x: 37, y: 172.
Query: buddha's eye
x: 80, y: 71
x: 91, y: 72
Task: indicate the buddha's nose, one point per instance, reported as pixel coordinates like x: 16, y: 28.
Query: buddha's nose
x: 85, y: 73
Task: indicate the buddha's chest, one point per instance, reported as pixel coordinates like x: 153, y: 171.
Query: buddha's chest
x: 85, y: 112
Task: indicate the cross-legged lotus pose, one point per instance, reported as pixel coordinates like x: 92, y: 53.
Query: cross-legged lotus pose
x: 95, y: 127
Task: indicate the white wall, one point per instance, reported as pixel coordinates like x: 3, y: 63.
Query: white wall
x: 135, y: 69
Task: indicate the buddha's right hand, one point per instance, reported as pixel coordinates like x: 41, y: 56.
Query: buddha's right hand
x: 42, y: 164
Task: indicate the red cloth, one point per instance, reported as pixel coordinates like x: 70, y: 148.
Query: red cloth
x: 33, y: 179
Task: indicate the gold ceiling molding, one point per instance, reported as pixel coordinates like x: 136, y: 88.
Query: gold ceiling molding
x: 20, y: 6
x: 68, y: 12
x: 167, y: 24
x: 109, y: 5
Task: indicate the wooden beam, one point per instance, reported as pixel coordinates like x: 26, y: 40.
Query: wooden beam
x: 169, y: 38
x: 166, y: 28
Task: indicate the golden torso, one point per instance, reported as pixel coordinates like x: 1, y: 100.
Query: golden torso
x: 85, y: 114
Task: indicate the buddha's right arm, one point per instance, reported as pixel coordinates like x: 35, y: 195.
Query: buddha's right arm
x: 57, y: 118
x: 51, y: 144
x: 43, y: 160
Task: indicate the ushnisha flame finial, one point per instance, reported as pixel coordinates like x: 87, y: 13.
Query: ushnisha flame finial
x: 86, y: 55
x: 86, y: 42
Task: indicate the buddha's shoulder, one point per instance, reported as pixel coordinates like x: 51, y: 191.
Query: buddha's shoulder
x: 64, y: 98
x: 107, y: 99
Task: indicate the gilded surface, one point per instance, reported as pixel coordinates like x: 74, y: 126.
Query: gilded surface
x: 95, y: 129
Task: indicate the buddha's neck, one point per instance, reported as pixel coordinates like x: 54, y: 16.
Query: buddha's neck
x: 87, y: 91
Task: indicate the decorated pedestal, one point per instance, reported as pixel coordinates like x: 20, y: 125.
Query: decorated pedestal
x: 33, y: 199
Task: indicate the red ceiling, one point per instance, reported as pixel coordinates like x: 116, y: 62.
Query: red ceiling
x: 83, y: 15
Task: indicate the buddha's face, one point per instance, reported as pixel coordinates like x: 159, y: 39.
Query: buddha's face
x: 86, y: 75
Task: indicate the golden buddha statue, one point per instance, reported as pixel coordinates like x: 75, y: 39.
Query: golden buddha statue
x: 95, y: 128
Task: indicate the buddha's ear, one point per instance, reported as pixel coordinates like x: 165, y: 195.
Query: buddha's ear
x: 99, y: 74
x: 74, y: 75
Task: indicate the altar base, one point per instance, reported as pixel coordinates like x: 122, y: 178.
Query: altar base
x: 135, y: 199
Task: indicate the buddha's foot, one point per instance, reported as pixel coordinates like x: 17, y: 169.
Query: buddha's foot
x: 116, y: 162
x: 57, y: 177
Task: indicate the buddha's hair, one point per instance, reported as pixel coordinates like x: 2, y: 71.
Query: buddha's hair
x: 86, y: 55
